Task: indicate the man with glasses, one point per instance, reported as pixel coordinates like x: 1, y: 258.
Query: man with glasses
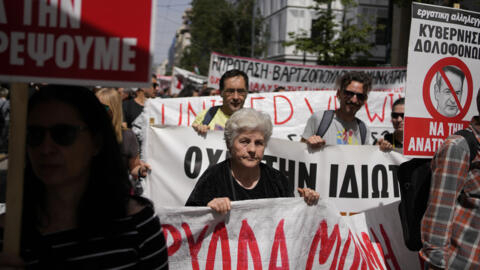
x: 233, y: 90
x: 340, y: 126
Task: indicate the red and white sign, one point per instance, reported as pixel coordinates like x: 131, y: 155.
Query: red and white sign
x: 442, y: 57
x: 285, y: 233
x: 182, y: 77
x: 289, y: 110
x: 266, y: 76
x: 85, y: 42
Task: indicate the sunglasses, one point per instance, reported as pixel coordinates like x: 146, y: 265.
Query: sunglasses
x: 231, y: 91
x: 61, y: 134
x: 395, y: 115
x: 350, y: 94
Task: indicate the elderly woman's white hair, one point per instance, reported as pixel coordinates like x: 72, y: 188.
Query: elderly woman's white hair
x: 247, y: 119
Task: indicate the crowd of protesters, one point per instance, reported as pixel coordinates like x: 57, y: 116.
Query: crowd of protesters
x: 83, y: 167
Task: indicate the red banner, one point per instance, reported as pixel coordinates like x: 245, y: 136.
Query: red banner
x: 428, y: 135
x: 76, y: 41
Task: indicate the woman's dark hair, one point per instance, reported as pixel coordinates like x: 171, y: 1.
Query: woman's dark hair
x: 107, y: 192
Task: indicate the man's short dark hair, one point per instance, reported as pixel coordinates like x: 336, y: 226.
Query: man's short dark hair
x: 358, y: 76
x: 399, y: 101
x: 233, y: 73
x: 3, y: 92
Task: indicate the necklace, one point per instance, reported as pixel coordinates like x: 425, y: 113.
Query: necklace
x: 253, y: 182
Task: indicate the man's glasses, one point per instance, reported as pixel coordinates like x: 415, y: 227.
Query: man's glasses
x: 350, y: 94
x: 61, y: 134
x: 395, y: 115
x: 231, y: 91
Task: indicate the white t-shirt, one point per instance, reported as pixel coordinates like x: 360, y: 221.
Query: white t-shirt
x: 339, y: 131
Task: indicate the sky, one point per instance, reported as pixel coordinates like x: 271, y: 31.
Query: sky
x: 168, y: 20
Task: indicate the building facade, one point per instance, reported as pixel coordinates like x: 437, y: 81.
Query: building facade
x: 284, y: 16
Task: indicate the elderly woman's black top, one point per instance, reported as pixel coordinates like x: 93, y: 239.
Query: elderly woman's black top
x: 217, y: 181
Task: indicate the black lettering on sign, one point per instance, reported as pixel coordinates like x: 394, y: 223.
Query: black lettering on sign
x: 213, y: 157
x: 364, y: 181
x: 197, y: 162
x: 276, y: 72
x: 349, y: 181
x: 333, y: 181
x: 290, y: 172
x: 269, y: 160
x: 375, y: 191
x: 305, y: 176
x: 394, y: 170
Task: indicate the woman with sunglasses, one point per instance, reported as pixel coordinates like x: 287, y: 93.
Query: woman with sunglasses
x: 78, y: 213
x: 391, y: 141
x: 112, y: 101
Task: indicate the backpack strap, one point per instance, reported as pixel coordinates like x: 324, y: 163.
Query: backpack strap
x: 325, y: 122
x: 363, y: 130
x: 209, y: 115
x: 473, y: 144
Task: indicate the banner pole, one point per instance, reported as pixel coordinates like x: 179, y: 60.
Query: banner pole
x: 16, y: 162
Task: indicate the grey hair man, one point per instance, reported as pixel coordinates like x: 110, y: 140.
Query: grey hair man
x: 448, y: 90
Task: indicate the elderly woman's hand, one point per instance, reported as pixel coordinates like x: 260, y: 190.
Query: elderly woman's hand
x: 221, y: 205
x: 309, y: 195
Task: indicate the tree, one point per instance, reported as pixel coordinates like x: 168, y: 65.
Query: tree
x: 335, y: 42
x: 223, y: 27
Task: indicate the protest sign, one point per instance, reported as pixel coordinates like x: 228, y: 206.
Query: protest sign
x: 443, y: 55
x: 289, y: 110
x: 354, y: 178
x: 66, y: 42
x: 284, y: 233
x: 182, y: 78
x: 77, y: 42
x: 265, y: 76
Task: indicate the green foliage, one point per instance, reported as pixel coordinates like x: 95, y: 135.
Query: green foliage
x: 334, y: 43
x: 223, y: 27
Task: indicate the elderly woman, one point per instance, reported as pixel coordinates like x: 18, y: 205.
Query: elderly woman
x: 243, y: 176
x: 78, y: 213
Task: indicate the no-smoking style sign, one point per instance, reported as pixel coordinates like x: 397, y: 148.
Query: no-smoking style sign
x: 449, y: 78
x: 442, y: 55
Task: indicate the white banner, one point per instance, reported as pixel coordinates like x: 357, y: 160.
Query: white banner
x: 354, y: 178
x: 443, y: 81
x: 265, y: 76
x: 289, y: 110
x: 182, y: 77
x: 285, y: 233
